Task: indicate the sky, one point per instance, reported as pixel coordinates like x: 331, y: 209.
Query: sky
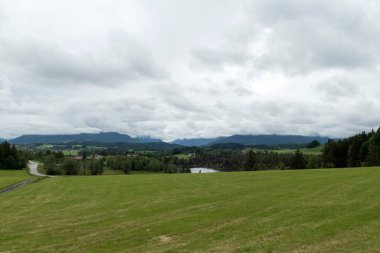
x: 183, y: 69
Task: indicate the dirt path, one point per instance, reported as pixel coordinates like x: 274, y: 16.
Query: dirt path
x: 33, y: 169
x: 18, y: 185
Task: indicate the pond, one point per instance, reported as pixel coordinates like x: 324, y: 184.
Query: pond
x: 203, y: 170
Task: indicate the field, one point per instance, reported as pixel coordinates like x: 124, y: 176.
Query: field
x: 72, y: 152
x: 10, y: 177
x: 305, y: 151
x: 336, y: 210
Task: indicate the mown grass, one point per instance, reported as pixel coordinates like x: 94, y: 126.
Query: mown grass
x: 10, y: 177
x: 336, y: 210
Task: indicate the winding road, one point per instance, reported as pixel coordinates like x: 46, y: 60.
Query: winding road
x: 33, y: 169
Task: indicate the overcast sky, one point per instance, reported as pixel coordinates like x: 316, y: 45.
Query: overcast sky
x: 201, y: 68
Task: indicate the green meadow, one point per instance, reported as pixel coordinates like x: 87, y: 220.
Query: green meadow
x: 334, y: 210
x: 306, y: 151
x: 10, y: 177
x: 72, y: 152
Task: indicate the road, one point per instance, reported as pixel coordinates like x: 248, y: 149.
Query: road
x: 33, y: 169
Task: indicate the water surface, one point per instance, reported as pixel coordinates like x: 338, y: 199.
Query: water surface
x: 203, y: 170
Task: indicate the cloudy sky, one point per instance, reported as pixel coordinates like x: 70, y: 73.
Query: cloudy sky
x: 197, y: 68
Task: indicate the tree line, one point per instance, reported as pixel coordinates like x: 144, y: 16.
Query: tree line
x: 10, y: 157
x: 359, y: 150
x: 178, y: 161
x: 150, y: 162
x: 227, y: 160
x: 55, y: 163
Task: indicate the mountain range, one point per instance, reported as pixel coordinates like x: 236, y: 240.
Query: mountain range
x: 103, y: 137
x: 197, y: 142
x: 273, y: 139
x: 113, y: 137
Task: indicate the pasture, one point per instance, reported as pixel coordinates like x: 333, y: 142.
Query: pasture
x: 10, y: 177
x: 306, y: 151
x: 330, y: 210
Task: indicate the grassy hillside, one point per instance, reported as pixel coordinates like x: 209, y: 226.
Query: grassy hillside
x: 10, y: 177
x: 273, y: 211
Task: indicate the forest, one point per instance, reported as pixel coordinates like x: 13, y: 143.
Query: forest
x: 356, y: 151
x: 10, y: 157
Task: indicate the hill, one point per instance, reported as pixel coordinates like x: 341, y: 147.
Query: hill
x: 250, y: 140
x: 335, y: 210
x: 103, y: 137
x: 270, y: 139
x: 123, y: 146
x: 196, y: 142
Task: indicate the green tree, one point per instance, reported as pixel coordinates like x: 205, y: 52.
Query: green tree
x: 96, y: 167
x: 313, y: 144
x: 250, y: 161
x: 298, y: 161
x: 50, y: 165
x: 70, y: 167
x: 373, y: 156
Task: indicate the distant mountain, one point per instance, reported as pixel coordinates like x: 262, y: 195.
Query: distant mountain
x: 113, y: 137
x: 1, y: 139
x: 251, y: 140
x: 197, y: 142
x: 227, y: 146
x: 123, y: 146
x: 147, y: 139
x: 104, y: 137
x: 273, y: 139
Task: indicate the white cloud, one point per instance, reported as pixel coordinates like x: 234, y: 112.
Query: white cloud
x: 174, y: 69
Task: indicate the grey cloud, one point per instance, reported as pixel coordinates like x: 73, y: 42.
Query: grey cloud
x: 268, y: 66
x: 316, y: 34
x: 336, y: 88
x: 216, y: 58
x: 123, y: 58
x: 241, y: 91
x: 298, y: 37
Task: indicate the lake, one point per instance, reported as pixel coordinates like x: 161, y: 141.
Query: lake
x: 203, y: 170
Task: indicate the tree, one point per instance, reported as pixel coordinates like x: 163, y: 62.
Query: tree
x: 354, y: 153
x: 312, y: 162
x: 96, y: 167
x: 10, y: 157
x: 313, y: 144
x: 51, y: 166
x: 250, y: 161
x: 373, y: 156
x: 298, y: 161
x: 70, y: 167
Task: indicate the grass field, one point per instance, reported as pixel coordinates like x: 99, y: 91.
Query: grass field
x: 276, y: 211
x: 183, y: 156
x: 10, y: 177
x: 73, y: 152
x: 305, y: 151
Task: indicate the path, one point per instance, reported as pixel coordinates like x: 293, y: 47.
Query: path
x: 33, y: 169
x: 18, y: 185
